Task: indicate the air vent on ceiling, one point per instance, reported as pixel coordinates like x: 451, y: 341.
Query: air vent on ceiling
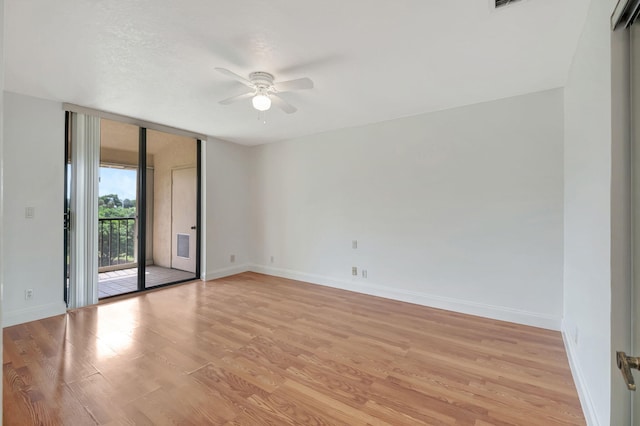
x: 503, y: 3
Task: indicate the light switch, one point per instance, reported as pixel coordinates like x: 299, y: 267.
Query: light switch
x: 29, y: 212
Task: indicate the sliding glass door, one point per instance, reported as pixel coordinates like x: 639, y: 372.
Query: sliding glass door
x: 118, y: 208
x: 147, y: 209
x: 172, y: 193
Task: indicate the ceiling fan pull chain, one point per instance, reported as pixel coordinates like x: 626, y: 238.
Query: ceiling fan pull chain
x: 262, y: 117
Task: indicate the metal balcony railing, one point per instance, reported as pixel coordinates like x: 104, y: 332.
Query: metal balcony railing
x: 116, y: 241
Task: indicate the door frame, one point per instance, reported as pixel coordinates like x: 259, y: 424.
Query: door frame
x: 66, y: 207
x: 198, y: 207
x: 141, y: 207
x: 634, y: 135
x: 142, y: 213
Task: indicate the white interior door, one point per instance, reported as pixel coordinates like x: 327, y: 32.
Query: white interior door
x: 183, y: 219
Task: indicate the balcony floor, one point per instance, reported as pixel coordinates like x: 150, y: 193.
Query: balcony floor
x: 123, y: 281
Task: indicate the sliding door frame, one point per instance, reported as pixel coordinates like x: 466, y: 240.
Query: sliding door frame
x: 66, y: 207
x: 142, y: 208
x: 142, y: 214
x: 142, y: 191
x: 198, y: 205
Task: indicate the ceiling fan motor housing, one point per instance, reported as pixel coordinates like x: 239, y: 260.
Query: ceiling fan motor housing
x: 262, y: 80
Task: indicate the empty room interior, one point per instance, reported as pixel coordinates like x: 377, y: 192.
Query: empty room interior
x: 328, y: 213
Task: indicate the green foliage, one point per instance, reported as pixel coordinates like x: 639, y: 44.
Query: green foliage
x: 110, y: 200
x: 111, y: 206
x: 107, y: 212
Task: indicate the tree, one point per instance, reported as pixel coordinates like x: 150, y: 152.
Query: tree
x: 110, y: 200
x: 110, y: 206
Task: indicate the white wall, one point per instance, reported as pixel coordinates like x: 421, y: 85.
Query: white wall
x: 460, y: 209
x: 33, y: 160
x: 225, y: 210
x: 588, y: 217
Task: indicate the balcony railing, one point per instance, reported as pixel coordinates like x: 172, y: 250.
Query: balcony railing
x: 116, y: 241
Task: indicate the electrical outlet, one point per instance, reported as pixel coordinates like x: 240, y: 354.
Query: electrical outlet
x: 354, y: 271
x: 271, y: 259
x: 28, y: 294
x: 364, y: 273
x: 232, y: 258
x: 354, y: 244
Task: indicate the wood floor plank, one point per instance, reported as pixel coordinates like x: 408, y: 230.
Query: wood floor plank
x: 258, y: 350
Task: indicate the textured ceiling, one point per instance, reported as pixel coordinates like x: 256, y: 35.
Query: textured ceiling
x: 371, y: 60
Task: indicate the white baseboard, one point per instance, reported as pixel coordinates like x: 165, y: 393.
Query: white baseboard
x: 32, y: 313
x: 578, y: 378
x: 225, y: 272
x: 451, y: 304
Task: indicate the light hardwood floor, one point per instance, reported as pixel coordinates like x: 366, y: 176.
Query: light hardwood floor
x: 258, y: 350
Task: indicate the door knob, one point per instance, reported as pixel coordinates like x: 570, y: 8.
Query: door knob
x: 625, y: 364
x: 193, y: 227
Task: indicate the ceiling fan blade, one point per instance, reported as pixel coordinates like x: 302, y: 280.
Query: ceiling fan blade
x: 282, y: 104
x: 298, y: 84
x: 235, y: 76
x: 236, y: 98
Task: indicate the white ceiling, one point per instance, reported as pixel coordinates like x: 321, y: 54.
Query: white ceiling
x: 371, y: 60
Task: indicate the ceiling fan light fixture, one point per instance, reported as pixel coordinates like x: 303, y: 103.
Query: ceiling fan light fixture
x: 264, y: 91
x: 261, y: 102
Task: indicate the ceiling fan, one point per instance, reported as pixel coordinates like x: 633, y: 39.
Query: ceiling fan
x: 264, y: 91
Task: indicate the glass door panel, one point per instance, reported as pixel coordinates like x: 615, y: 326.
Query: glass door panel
x: 118, y: 221
x: 171, y: 208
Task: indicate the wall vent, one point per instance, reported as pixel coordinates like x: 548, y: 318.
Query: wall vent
x: 503, y: 3
x: 183, y: 246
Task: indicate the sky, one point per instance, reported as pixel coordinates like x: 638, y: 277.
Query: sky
x: 117, y: 181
